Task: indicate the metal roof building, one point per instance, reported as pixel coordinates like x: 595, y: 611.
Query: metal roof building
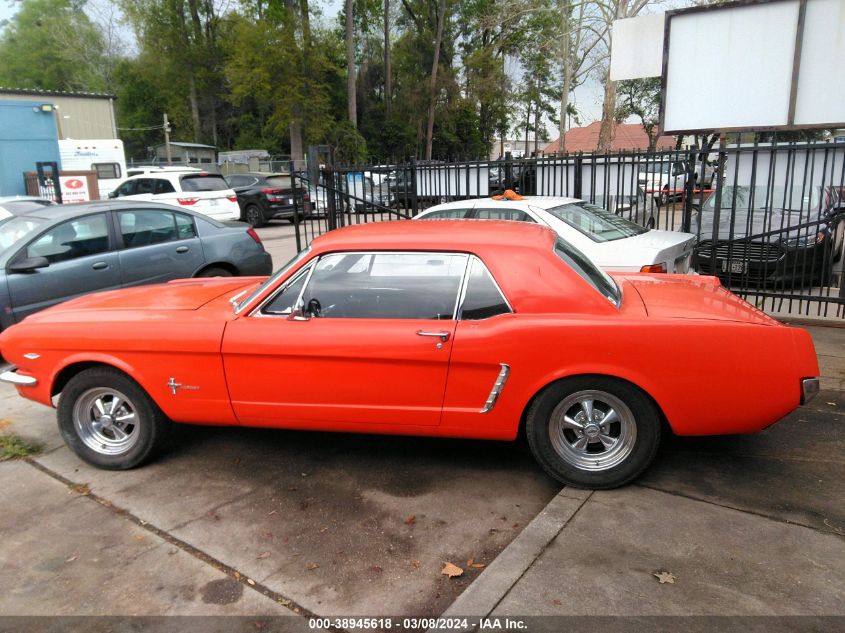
x: 79, y: 115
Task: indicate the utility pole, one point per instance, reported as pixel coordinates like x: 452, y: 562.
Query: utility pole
x: 167, y: 140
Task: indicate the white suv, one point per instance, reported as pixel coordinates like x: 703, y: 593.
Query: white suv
x: 199, y: 191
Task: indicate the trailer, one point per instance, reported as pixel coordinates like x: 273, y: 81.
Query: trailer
x: 105, y: 157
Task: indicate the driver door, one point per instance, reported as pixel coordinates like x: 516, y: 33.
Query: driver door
x: 354, y: 340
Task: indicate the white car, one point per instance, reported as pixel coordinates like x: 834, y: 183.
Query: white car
x: 612, y: 242
x: 199, y: 191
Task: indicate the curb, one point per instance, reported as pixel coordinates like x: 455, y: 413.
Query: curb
x: 495, y: 582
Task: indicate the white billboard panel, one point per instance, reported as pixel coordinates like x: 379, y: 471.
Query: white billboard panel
x: 637, y: 49
x: 821, y: 79
x: 730, y: 68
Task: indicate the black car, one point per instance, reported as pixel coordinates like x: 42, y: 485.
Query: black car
x: 265, y: 196
x: 765, y: 238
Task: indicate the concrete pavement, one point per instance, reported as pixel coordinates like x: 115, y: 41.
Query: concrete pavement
x: 253, y: 522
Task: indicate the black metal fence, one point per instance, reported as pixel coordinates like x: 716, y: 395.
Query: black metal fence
x: 767, y: 219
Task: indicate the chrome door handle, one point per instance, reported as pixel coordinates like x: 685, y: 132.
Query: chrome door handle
x: 182, y: 249
x: 443, y: 336
x: 100, y: 266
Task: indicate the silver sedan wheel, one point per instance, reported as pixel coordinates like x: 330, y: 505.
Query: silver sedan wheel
x: 592, y: 430
x: 106, y: 421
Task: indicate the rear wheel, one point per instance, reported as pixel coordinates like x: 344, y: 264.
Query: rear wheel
x: 109, y: 421
x: 215, y: 271
x: 253, y: 215
x: 593, y: 431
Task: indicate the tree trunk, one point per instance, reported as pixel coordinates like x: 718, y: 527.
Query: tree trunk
x: 608, y: 118
x: 388, y: 75
x: 566, y: 60
x: 195, y: 106
x: 296, y: 139
x: 351, y: 96
x: 429, y: 137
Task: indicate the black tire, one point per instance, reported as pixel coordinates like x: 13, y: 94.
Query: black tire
x: 215, y: 271
x: 634, y: 451
x: 254, y: 217
x: 76, y: 410
x: 664, y: 196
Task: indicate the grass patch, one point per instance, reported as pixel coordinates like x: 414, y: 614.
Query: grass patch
x: 14, y: 447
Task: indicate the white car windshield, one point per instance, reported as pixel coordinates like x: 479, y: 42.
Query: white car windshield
x: 599, y: 224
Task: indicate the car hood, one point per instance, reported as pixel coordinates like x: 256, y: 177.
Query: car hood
x: 181, y: 294
x: 694, y: 297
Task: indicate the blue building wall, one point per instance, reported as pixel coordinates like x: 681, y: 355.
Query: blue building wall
x: 27, y: 135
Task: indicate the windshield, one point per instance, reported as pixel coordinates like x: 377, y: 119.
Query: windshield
x: 203, y: 183
x: 655, y: 168
x: 595, y: 222
x: 588, y: 271
x: 279, y: 181
x: 278, y: 274
x: 13, y: 230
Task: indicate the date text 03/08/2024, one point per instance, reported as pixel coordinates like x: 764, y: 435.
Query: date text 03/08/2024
x: 420, y: 624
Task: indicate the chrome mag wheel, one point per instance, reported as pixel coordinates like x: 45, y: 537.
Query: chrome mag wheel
x: 592, y: 430
x: 106, y: 420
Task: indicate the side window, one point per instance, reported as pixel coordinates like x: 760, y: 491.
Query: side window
x: 452, y: 214
x: 483, y: 298
x: 145, y: 185
x: 239, y: 181
x: 106, y: 171
x: 185, y: 226
x: 127, y: 188
x: 502, y: 214
x: 72, y: 239
x: 162, y: 186
x: 144, y: 228
x: 285, y: 301
x: 385, y: 286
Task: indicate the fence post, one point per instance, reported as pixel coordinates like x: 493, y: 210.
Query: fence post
x: 689, y: 186
x: 414, y: 199
x: 295, y: 195
x: 576, y: 185
x: 331, y: 193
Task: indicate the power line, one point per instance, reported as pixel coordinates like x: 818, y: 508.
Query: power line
x: 140, y: 129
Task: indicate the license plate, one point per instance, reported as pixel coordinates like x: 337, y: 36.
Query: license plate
x: 735, y: 266
x: 213, y: 202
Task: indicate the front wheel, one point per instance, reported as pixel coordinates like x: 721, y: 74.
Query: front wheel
x: 593, y: 431
x: 109, y: 421
x: 253, y: 216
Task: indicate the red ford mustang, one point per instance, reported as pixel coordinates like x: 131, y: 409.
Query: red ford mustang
x: 444, y: 328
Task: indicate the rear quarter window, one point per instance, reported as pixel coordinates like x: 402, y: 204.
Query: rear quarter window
x: 203, y: 183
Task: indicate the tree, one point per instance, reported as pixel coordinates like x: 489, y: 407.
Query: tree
x: 441, y: 20
x: 350, y: 65
x: 641, y: 98
x: 613, y: 10
x: 53, y: 45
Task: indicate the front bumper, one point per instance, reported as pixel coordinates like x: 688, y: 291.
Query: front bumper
x: 13, y: 377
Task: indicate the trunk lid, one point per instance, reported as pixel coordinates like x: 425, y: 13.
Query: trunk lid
x: 694, y: 297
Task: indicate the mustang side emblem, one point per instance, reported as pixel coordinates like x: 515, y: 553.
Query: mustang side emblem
x: 173, y: 385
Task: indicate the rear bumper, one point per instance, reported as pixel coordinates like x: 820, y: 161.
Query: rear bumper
x: 809, y: 389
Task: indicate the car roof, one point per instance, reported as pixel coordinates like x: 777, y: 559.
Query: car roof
x: 261, y: 174
x: 443, y: 235
x: 65, y: 211
x: 539, y: 202
x: 172, y: 173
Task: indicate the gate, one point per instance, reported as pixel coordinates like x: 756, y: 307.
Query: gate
x: 767, y: 219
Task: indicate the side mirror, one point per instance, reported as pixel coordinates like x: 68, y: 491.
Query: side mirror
x: 298, y: 315
x: 113, y: 194
x: 28, y: 265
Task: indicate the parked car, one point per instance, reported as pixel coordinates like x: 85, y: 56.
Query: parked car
x: 157, y: 169
x: 52, y: 254
x: 202, y: 192
x: 611, y: 241
x: 264, y: 197
x: 455, y: 329
x: 666, y: 180
x: 11, y: 206
x: 772, y: 237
